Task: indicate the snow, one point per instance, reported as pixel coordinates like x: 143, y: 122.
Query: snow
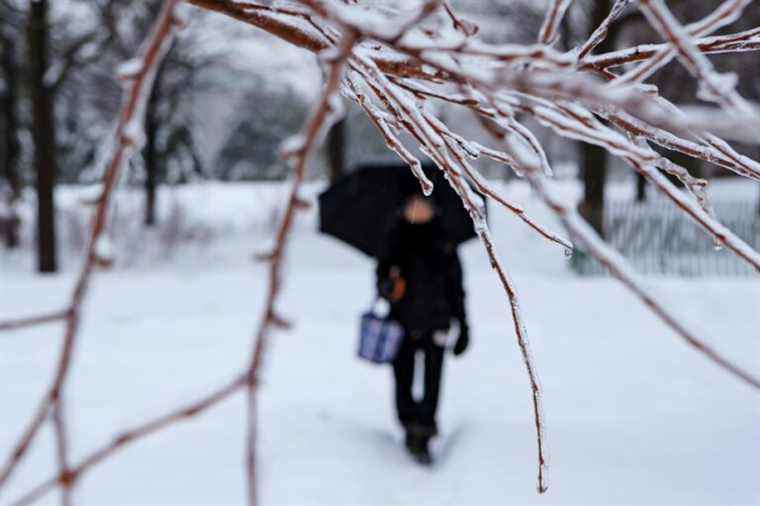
x: 633, y: 416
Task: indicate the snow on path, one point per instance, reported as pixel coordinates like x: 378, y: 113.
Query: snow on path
x: 634, y: 416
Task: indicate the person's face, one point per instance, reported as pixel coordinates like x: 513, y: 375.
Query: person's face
x: 418, y: 211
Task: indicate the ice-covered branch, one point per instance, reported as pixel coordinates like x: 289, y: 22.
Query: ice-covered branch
x: 391, y: 140
x: 714, y: 87
x: 601, y: 32
x: 552, y: 21
x: 299, y: 151
x: 589, y: 241
x: 725, y: 14
x: 596, y: 133
x: 746, y: 41
x: 130, y: 436
x: 32, y: 321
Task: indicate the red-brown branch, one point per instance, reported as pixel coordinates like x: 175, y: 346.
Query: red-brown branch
x: 716, y: 87
x: 552, y: 20
x: 62, y: 451
x: 601, y: 32
x: 725, y: 14
x: 128, y: 437
x: 32, y: 321
x: 590, y: 241
x: 307, y: 142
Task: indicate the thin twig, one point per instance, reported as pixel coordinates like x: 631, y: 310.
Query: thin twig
x: 601, y: 32
x: 32, y: 321
x: 321, y: 118
x: 725, y: 14
x: 128, y: 437
x: 552, y: 21
x: 714, y: 87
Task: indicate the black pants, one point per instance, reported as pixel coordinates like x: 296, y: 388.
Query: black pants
x: 419, y: 414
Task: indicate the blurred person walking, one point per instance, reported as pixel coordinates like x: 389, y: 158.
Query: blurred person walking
x: 381, y: 211
x: 420, y: 274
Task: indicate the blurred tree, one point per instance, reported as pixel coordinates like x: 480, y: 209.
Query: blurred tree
x: 593, y: 159
x: 168, y: 129
x: 170, y: 152
x: 336, y: 150
x: 267, y: 117
x: 11, y: 20
x: 55, y: 51
x: 43, y: 133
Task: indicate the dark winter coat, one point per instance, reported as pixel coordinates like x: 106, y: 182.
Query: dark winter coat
x: 431, y: 272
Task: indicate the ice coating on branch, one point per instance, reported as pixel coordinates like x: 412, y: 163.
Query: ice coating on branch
x: 449, y: 39
x: 554, y: 14
x: 337, y: 109
x: 373, y: 21
x: 602, y: 30
x: 537, y: 55
x: 295, y: 24
x: 130, y: 68
x: 713, y: 86
x: 290, y: 6
x: 721, y: 85
x: 134, y: 133
x: 104, y: 249
x: 386, y: 124
x: 470, y: 149
x: 726, y: 13
x: 292, y: 145
x: 472, y: 67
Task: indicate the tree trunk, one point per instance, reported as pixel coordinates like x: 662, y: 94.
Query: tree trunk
x: 150, y: 157
x: 641, y: 188
x: 594, y: 158
x: 43, y: 134
x: 9, y: 144
x: 336, y: 150
x: 594, y: 174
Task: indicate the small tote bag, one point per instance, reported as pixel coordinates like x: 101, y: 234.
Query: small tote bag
x: 379, y: 337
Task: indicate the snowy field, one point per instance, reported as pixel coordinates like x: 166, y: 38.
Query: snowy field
x: 633, y: 415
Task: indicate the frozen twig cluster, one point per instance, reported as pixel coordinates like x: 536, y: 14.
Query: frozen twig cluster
x: 394, y: 65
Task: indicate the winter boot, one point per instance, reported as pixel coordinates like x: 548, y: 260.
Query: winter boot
x: 417, y: 445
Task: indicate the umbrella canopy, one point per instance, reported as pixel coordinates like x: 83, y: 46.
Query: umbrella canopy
x: 362, y: 206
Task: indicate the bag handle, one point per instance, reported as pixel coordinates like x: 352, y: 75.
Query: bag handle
x: 380, y: 307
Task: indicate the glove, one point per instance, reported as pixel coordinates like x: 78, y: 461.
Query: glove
x: 393, y: 288
x: 463, y: 341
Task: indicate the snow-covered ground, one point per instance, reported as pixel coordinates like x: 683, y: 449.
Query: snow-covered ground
x: 633, y: 415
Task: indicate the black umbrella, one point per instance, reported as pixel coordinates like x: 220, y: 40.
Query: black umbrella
x: 361, y: 207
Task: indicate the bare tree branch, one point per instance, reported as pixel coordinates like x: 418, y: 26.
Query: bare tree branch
x: 552, y: 21
x: 322, y: 117
x: 134, y: 435
x: 33, y: 321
